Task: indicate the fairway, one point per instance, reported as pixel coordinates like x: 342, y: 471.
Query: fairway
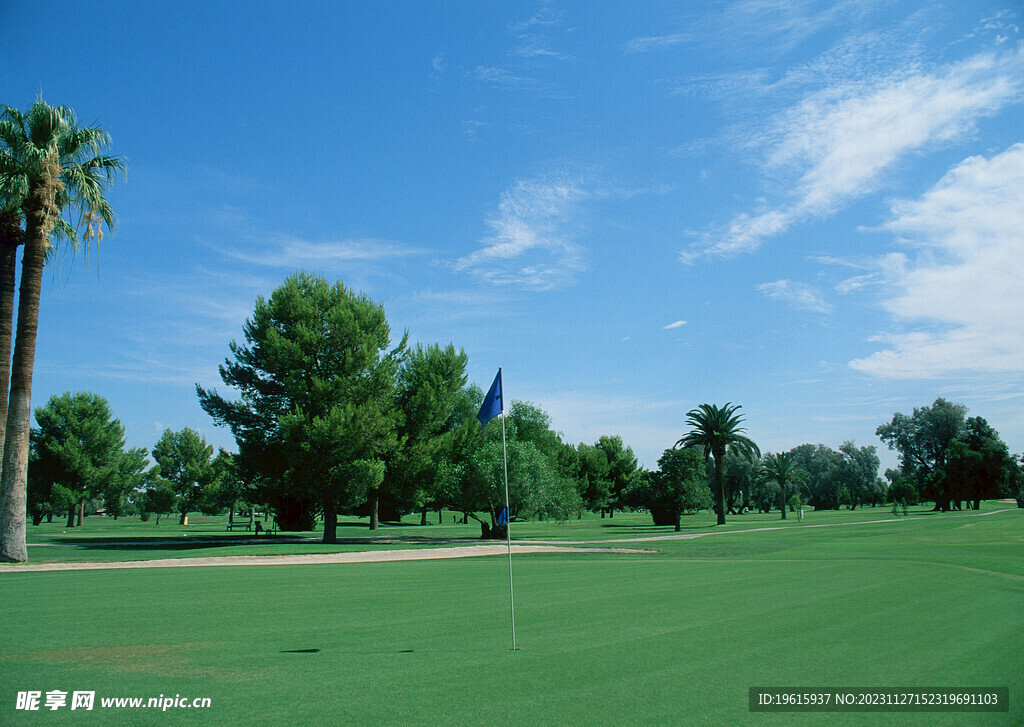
x: 673, y: 636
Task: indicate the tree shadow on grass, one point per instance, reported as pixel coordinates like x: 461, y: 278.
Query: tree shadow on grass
x: 213, y: 542
x: 627, y: 529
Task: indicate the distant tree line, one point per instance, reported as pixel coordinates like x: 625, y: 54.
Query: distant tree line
x: 331, y: 419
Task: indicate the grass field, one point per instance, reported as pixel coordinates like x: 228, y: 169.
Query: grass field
x: 674, y: 636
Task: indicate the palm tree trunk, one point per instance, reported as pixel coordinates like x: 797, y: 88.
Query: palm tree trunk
x: 10, y: 238
x: 19, y: 412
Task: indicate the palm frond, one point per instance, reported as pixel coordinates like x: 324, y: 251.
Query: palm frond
x: 46, y: 143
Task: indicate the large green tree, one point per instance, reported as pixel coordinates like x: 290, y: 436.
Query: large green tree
x: 159, y: 498
x: 622, y: 468
x: 536, y: 488
x: 430, y: 382
x: 78, y: 445
x: 679, y: 485
x: 52, y: 166
x: 538, y: 482
x: 129, y: 477
x: 860, y: 475
x: 186, y: 461
x: 316, y: 416
x: 717, y: 429
x: 922, y: 440
x: 824, y: 466
x: 594, y: 477
x: 978, y: 464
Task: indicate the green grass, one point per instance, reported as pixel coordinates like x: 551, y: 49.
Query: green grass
x: 676, y: 636
x: 106, y: 539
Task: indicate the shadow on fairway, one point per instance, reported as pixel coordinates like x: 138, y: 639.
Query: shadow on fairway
x: 626, y: 528
x: 210, y: 542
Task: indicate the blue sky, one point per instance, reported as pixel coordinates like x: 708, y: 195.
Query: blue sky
x: 811, y: 209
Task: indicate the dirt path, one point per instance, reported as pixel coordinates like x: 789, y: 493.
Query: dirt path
x: 366, y: 556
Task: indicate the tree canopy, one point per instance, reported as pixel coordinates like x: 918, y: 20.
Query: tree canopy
x: 679, y: 485
x: 78, y: 446
x: 185, y: 460
x: 949, y: 457
x: 315, y: 419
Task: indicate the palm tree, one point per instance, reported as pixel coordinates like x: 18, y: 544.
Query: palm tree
x: 782, y: 470
x: 718, y: 430
x: 51, y: 167
x: 13, y: 191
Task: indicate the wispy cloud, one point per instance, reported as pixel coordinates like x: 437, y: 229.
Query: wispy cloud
x: 644, y: 44
x: 799, y: 295
x: 530, y: 245
x: 676, y: 324
x: 285, y: 251
x: 961, y: 282
x: 504, y: 78
x: 532, y: 45
x: 782, y: 24
x: 837, y: 143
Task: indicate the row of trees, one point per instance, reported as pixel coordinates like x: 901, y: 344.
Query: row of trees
x: 53, y: 180
x: 78, y: 455
x: 945, y: 457
x: 330, y: 421
x: 331, y: 418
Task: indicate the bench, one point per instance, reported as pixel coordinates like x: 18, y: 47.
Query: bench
x: 239, y: 524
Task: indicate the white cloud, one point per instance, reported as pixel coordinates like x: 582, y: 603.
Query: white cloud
x: 781, y: 24
x: 530, y: 245
x: 859, y: 282
x: 502, y: 78
x: 644, y: 44
x: 677, y: 324
x: 743, y: 234
x: 837, y: 143
x: 962, y: 288
x: 799, y: 295
x: 290, y: 252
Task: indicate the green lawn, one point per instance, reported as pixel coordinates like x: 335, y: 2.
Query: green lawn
x: 673, y: 637
x: 106, y: 539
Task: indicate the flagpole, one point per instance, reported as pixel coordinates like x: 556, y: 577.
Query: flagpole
x: 508, y: 521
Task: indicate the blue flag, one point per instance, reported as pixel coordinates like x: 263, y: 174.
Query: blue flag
x: 493, y: 404
x: 503, y: 517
